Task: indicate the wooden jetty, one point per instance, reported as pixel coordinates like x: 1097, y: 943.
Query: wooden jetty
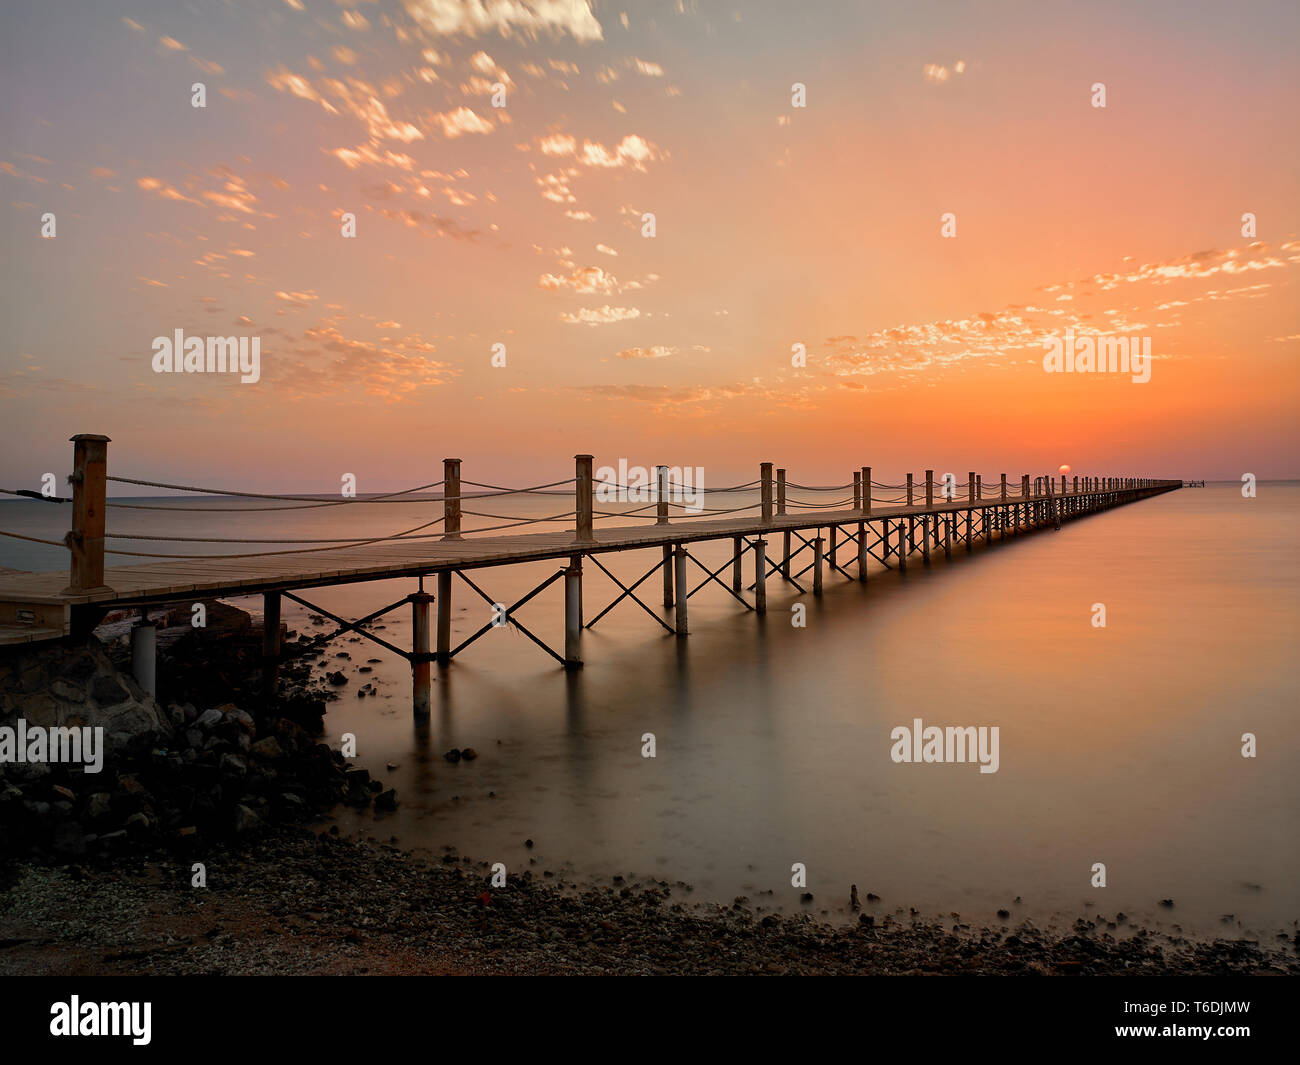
x: 925, y: 517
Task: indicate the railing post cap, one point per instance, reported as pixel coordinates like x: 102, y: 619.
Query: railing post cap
x: 90, y: 436
x: 451, y: 460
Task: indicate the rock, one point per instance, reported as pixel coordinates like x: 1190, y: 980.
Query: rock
x: 107, y: 690
x: 268, y: 748
x: 453, y: 756
x: 210, y: 718
x: 68, y: 692
x: 469, y: 754
x: 138, y: 823
x: 807, y: 896
x: 336, y: 678
x: 244, y: 720
x: 233, y: 764
x: 386, y: 800
x: 245, y: 819
x: 1167, y: 903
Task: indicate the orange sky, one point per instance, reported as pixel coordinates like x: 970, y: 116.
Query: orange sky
x: 776, y: 225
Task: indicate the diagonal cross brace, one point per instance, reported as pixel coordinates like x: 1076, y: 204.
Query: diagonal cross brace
x: 713, y: 576
x: 348, y: 626
x: 628, y: 592
x: 510, y: 618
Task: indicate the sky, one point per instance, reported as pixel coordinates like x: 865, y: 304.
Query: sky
x: 942, y: 195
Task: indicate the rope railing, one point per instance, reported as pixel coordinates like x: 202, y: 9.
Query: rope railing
x: 87, y: 540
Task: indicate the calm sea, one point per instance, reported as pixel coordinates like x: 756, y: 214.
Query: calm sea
x: 1118, y: 745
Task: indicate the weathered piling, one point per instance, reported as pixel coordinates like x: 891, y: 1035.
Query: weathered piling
x: 85, y: 541
x: 451, y: 499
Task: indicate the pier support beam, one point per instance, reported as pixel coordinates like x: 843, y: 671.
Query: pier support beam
x: 862, y: 552
x: 925, y: 539
x: 818, y: 542
x: 573, y: 614
x: 444, y: 617
x: 760, y: 576
x: 679, y: 575
x: 421, y: 666
x: 144, y: 636
x: 668, y: 575
x: 737, y: 554
x: 270, y: 641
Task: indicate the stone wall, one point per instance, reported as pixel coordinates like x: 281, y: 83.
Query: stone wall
x: 75, y: 684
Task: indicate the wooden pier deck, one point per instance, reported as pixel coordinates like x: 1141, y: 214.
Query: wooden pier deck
x: 48, y: 606
x: 215, y: 577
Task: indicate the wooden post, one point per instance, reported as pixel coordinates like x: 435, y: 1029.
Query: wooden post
x: 866, y: 489
x: 737, y: 553
x: 270, y: 640
x: 909, y: 489
x: 679, y: 570
x: 1076, y: 484
x: 780, y: 492
x: 1004, y: 488
x: 929, y: 489
x: 421, y: 667
x: 857, y: 490
x: 785, y: 554
x: 925, y: 539
x: 582, y: 493
x: 451, y: 499
x: 817, y: 565
x: 834, y: 548
x: 668, y: 575
x: 444, y: 617
x: 760, y: 576
x: 862, y: 552
x: 765, y: 477
x: 902, y: 547
x: 573, y: 613
x: 661, y: 508
x: 85, y: 541
x: 947, y: 535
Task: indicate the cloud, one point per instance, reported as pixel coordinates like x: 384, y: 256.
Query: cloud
x: 633, y: 151
x: 656, y: 351
x: 585, y: 279
x: 601, y: 315
x: 650, y: 70
x: 524, y: 18
x: 462, y: 120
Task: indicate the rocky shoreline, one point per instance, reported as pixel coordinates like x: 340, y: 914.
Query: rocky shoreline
x: 102, y: 869
x: 293, y: 902
x: 220, y: 760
